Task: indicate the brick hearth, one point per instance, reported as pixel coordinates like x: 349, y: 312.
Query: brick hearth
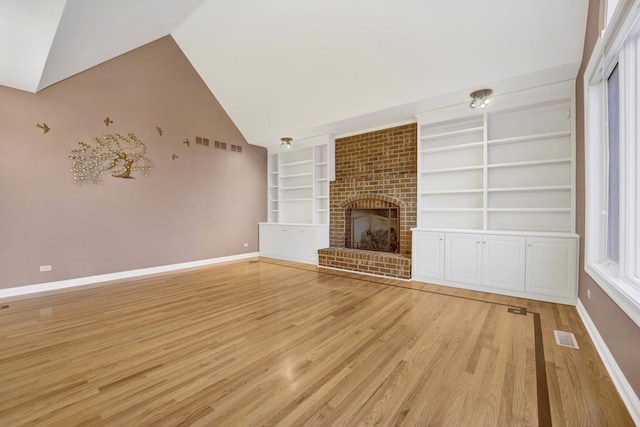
x: 372, y: 262
x: 376, y: 168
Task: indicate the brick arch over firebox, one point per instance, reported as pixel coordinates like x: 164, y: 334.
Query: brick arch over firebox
x: 363, y: 201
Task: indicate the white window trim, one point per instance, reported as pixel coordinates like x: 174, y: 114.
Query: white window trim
x: 613, y: 48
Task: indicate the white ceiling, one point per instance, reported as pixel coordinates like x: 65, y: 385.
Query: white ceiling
x: 297, y: 68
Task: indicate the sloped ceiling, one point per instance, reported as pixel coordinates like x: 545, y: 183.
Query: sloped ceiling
x: 293, y: 68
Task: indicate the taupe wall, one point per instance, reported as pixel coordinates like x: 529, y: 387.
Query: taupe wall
x: 621, y: 334
x: 203, y: 205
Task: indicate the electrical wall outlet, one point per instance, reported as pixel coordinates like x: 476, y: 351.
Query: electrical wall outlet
x: 45, y: 268
x: 588, y: 293
x: 246, y: 245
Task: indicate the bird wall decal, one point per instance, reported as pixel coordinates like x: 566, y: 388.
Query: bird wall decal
x: 186, y: 141
x: 107, y: 121
x: 174, y: 156
x: 159, y: 129
x: 43, y: 126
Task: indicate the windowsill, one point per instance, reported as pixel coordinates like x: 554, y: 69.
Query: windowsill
x: 622, y: 292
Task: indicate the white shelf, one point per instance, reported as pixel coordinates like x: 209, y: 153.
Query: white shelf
x: 321, y: 164
x: 299, y: 187
x: 322, y: 197
x: 543, y: 188
x: 529, y: 209
x: 529, y: 163
x: 452, y: 147
x: 526, y: 138
x: 457, y: 169
x: 297, y: 175
x: 306, y: 199
x: 322, y: 179
x: 452, y: 210
x: 452, y: 133
x: 273, y: 173
x: 443, y: 192
x: 301, y: 162
x: 321, y: 210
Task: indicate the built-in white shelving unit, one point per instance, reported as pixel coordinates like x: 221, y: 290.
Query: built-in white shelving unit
x: 298, y: 199
x: 488, y: 176
x: 450, y: 164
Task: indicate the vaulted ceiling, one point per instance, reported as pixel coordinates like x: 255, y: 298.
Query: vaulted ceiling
x: 297, y: 68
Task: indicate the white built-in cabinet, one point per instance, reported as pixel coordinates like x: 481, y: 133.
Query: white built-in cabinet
x: 298, y: 199
x: 495, y: 184
x: 542, y: 268
x: 293, y: 242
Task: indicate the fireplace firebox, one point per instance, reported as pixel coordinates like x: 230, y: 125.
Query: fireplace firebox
x: 374, y: 229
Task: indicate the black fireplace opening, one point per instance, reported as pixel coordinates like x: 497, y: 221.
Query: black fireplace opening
x: 374, y: 229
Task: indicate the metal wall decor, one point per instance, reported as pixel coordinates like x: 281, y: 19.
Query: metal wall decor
x: 43, y: 126
x: 117, y: 154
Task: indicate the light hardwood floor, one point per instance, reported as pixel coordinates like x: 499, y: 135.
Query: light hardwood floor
x: 275, y: 343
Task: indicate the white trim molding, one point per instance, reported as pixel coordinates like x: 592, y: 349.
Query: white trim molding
x: 629, y: 397
x: 618, y: 46
x: 91, y: 280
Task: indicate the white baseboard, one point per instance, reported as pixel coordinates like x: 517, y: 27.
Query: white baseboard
x: 627, y: 394
x: 90, y: 280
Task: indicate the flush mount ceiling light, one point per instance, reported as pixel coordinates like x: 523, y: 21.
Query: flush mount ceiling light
x: 480, y: 98
x: 286, y: 142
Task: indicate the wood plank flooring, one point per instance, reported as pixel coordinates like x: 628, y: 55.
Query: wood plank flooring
x: 275, y: 343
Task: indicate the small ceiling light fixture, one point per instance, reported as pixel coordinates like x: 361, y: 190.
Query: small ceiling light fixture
x: 480, y: 97
x: 286, y: 142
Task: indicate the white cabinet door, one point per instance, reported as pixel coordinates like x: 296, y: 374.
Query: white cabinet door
x: 503, y: 262
x: 551, y: 267
x: 271, y: 240
x: 293, y: 242
x: 277, y: 236
x: 265, y: 241
x: 428, y: 255
x: 463, y: 258
x: 309, y: 244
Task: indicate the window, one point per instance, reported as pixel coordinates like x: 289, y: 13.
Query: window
x: 612, y: 127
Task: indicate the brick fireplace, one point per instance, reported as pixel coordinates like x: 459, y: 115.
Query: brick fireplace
x: 374, y: 170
